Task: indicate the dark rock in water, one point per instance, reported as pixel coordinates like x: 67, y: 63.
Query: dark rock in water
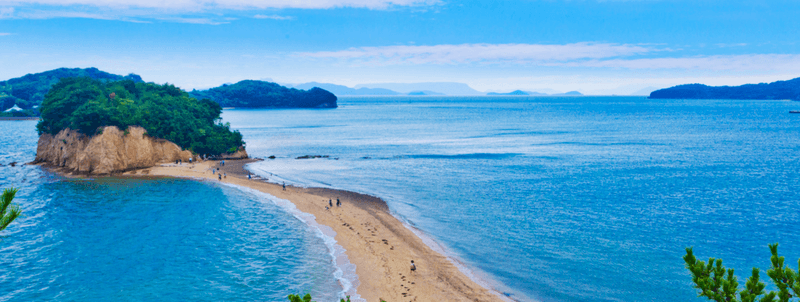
x: 13, y: 164
x: 366, y: 157
x: 271, y: 157
x: 313, y: 156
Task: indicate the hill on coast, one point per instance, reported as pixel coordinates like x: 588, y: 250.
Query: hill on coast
x: 28, y: 92
x: 261, y: 94
x: 780, y: 90
x: 164, y: 111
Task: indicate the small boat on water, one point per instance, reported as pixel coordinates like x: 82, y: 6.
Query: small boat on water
x: 794, y: 111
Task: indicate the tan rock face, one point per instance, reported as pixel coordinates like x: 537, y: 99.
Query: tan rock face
x: 110, y: 152
x: 239, y: 154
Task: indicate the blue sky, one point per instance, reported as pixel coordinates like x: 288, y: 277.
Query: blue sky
x: 596, y: 47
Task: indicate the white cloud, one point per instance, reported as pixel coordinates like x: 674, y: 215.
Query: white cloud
x: 273, y: 17
x: 183, y: 11
x: 4, y: 34
x: 6, y: 12
x: 202, y: 5
x: 479, y: 53
x: 749, y: 62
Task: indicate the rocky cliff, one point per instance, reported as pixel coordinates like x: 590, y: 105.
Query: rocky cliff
x: 111, y: 151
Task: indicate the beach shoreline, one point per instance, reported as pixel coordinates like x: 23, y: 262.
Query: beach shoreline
x: 376, y: 242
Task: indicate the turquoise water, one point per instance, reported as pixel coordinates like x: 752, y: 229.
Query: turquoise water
x: 548, y: 199
x: 559, y: 198
x: 113, y: 239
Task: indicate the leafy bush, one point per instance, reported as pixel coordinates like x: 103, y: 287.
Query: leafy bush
x: 307, y: 298
x: 164, y: 111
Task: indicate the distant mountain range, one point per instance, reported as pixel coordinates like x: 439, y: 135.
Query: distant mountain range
x: 780, y: 90
x: 445, y: 88
x: 416, y: 89
x: 344, y: 90
x: 533, y: 93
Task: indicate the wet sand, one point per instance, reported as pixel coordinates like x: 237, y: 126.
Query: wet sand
x: 378, y: 244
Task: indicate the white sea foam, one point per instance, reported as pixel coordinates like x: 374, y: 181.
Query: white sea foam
x: 345, y: 272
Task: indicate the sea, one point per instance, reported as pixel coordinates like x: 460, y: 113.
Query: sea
x: 539, y: 198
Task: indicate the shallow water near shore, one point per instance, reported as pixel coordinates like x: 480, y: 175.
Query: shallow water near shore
x: 558, y: 198
x: 158, y: 239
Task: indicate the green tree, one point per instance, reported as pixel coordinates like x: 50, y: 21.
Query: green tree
x: 717, y: 283
x: 8, y: 211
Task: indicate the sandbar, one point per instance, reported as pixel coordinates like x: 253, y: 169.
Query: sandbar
x: 378, y: 244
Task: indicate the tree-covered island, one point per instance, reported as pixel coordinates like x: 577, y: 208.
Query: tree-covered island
x: 164, y: 111
x: 780, y: 90
x: 260, y: 94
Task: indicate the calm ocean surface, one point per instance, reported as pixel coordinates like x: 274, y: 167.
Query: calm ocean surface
x: 114, y: 239
x: 559, y: 198
x: 549, y: 199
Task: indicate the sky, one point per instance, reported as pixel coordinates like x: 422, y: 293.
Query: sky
x: 592, y: 46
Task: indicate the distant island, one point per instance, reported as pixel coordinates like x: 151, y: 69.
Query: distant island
x: 22, y: 96
x: 261, y: 94
x: 98, y: 127
x: 341, y: 90
x: 780, y: 90
x: 532, y: 93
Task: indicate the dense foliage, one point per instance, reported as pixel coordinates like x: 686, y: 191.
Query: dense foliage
x: 165, y: 111
x: 307, y: 298
x: 8, y: 210
x: 28, y: 92
x: 260, y: 94
x: 719, y: 284
x: 780, y: 90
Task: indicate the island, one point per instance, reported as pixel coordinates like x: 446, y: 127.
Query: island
x: 780, y: 90
x: 515, y: 92
x: 94, y: 127
x: 22, y: 96
x: 261, y: 94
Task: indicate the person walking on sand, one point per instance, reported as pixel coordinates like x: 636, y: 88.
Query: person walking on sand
x: 225, y: 175
x: 413, y: 266
x: 248, y: 176
x: 284, y: 186
x: 330, y: 202
x: 338, y: 203
x: 220, y: 176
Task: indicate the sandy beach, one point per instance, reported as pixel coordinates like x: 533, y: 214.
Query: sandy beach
x: 378, y: 244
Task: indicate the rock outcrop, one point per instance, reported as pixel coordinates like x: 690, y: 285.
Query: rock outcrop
x: 239, y: 154
x: 111, y: 151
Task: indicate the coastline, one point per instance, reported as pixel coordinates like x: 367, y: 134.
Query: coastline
x: 377, y: 243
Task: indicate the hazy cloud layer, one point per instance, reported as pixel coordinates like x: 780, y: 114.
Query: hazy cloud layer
x: 274, y: 17
x: 479, y: 53
x: 718, y: 62
x: 585, y: 54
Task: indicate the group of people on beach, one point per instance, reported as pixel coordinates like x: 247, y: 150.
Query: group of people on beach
x: 330, y: 203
